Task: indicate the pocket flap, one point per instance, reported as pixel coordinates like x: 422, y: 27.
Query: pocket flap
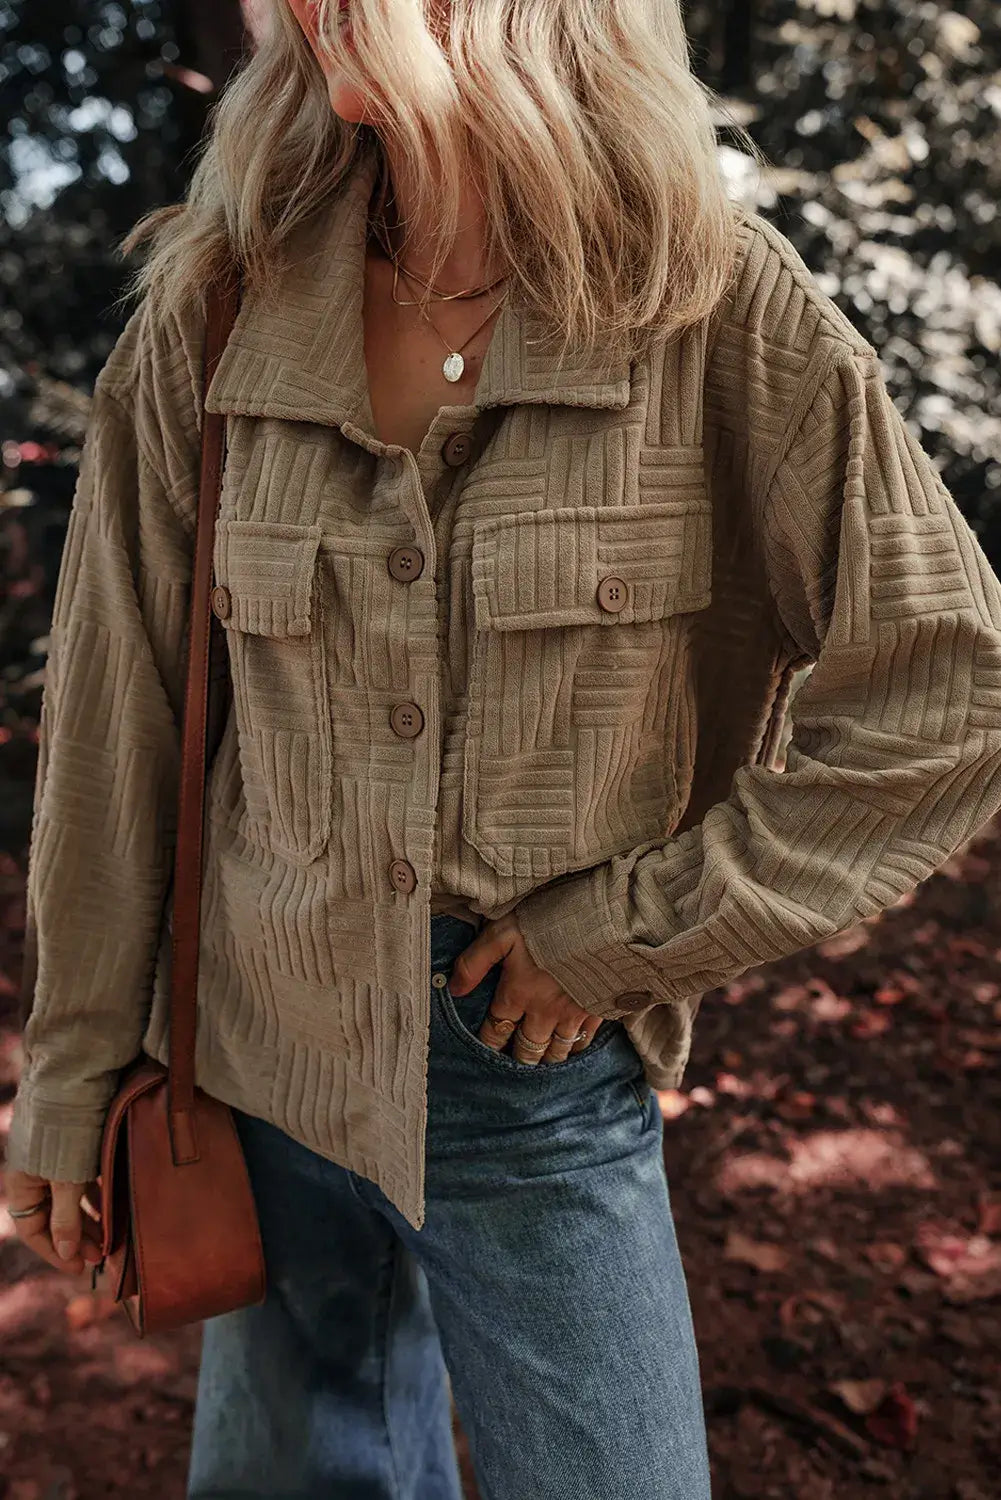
x: 268, y: 568
x: 544, y: 568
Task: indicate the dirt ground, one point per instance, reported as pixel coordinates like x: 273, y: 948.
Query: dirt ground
x: 836, y: 1178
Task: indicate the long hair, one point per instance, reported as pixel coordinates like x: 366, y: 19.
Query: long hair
x: 591, y: 142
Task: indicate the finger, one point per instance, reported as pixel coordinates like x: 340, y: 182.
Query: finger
x: 565, y: 1035
x: 588, y: 1027
x: 66, y: 1220
x: 504, y: 1013
x: 489, y: 947
x: 25, y: 1194
x: 27, y: 1191
x: 41, y: 1243
x: 533, y: 1037
x: 499, y: 1023
x: 27, y: 1224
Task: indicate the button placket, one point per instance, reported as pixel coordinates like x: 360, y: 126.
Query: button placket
x: 405, y: 564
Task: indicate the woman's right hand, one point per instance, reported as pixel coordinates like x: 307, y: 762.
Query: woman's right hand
x: 59, y: 1231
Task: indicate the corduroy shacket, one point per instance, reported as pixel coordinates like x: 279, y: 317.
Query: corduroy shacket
x: 616, y: 583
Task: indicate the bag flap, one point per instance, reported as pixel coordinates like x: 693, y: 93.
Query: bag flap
x: 114, y: 1206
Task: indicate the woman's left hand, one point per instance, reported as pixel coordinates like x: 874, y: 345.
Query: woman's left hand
x: 525, y: 994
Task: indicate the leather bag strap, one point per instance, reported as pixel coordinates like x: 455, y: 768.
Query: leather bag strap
x: 221, y: 307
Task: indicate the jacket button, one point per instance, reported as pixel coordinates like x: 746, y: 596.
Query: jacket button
x: 613, y: 594
x: 222, y: 604
x: 403, y: 876
x: 634, y: 999
x: 405, y: 563
x: 457, y: 448
x: 406, y: 720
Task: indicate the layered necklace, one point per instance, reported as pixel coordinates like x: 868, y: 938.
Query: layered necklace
x: 453, y: 364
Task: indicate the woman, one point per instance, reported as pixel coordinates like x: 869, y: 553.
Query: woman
x: 511, y: 624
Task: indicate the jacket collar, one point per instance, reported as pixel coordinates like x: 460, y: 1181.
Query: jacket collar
x: 302, y: 357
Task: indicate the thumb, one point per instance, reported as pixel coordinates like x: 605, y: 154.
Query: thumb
x: 65, y: 1218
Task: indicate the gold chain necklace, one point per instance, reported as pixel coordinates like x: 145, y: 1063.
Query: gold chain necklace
x: 453, y: 365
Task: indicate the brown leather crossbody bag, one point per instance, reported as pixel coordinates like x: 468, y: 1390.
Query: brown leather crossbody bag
x: 179, y: 1230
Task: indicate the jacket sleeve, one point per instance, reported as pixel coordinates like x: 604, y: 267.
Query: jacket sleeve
x: 103, y: 823
x: 895, y: 755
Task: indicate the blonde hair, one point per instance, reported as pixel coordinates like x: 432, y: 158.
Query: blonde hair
x: 590, y: 140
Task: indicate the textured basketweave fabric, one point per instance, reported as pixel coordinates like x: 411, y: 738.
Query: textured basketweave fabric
x: 610, y: 772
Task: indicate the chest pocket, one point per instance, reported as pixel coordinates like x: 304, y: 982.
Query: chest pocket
x: 269, y: 605
x: 580, y: 735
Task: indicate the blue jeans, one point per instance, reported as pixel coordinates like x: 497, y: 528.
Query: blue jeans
x: 544, y: 1289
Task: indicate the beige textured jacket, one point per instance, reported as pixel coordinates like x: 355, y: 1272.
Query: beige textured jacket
x: 607, y: 578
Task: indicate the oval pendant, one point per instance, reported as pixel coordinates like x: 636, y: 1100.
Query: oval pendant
x: 453, y: 367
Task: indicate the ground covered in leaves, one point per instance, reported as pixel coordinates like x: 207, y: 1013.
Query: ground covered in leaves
x: 836, y: 1177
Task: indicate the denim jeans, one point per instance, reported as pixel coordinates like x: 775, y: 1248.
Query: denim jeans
x: 544, y: 1290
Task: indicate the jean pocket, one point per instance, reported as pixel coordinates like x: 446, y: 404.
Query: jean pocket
x: 642, y: 1092
x: 464, y: 1017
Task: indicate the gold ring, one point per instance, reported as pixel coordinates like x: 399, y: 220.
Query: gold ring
x: 533, y: 1046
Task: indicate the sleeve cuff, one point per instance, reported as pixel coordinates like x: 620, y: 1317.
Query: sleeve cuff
x: 55, y: 1141
x: 570, y: 931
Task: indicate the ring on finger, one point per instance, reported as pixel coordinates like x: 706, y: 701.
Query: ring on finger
x: 28, y: 1213
x: 533, y: 1046
x: 569, y: 1039
x: 502, y: 1023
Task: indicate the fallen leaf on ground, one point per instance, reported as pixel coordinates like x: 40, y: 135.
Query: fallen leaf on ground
x: 976, y: 1059
x: 830, y: 1008
x: 894, y: 1423
x: 729, y: 1083
x: 976, y: 1285
x: 870, y: 1023
x: 796, y: 1106
x: 885, y: 1255
x: 810, y: 1307
x: 860, y: 1396
x: 970, y: 1265
x: 761, y: 1254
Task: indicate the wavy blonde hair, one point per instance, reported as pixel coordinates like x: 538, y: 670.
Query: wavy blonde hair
x: 590, y: 139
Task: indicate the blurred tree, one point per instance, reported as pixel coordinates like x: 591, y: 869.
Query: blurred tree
x: 883, y: 119
x: 104, y: 103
